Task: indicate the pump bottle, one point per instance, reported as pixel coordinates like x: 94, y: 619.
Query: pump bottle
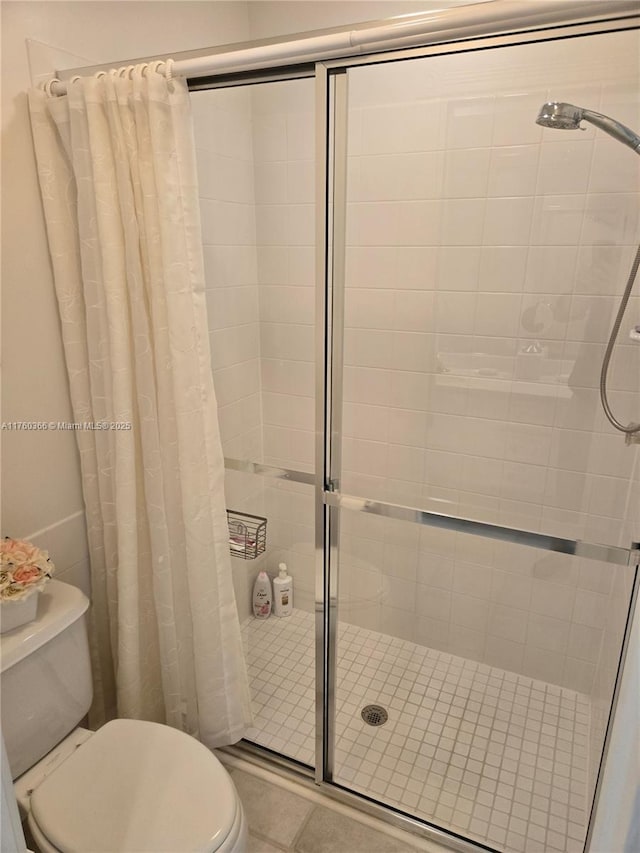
x: 283, y: 592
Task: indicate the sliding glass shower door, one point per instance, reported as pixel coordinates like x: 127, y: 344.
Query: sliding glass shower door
x: 474, y: 285
x: 256, y: 165
x: 408, y: 394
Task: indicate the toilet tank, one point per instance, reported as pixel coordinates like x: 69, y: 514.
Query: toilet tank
x: 45, y: 688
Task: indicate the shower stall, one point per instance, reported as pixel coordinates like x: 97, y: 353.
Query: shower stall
x: 410, y: 287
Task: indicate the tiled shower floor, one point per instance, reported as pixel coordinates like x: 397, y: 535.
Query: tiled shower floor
x: 492, y: 755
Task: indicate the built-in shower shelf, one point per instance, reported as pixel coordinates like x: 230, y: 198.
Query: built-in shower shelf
x: 504, y: 385
x: 528, y: 373
x: 247, y: 534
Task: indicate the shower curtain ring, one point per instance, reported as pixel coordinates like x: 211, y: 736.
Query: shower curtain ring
x: 155, y: 65
x: 168, y: 71
x: 47, y: 86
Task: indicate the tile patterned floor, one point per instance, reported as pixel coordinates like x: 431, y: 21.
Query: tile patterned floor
x: 286, y: 816
x: 492, y: 755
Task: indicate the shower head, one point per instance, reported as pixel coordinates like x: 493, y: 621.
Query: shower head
x: 568, y: 117
x: 559, y: 116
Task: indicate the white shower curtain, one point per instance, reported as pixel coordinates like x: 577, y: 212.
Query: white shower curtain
x: 117, y: 173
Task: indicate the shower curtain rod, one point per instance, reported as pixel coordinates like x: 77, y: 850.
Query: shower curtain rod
x: 478, y: 19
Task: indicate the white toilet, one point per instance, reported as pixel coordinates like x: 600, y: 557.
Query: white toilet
x: 131, y: 786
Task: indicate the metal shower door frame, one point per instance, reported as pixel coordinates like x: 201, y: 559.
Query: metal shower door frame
x: 330, y: 135
x: 331, y: 150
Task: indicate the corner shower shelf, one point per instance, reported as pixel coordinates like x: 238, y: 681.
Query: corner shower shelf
x: 247, y: 534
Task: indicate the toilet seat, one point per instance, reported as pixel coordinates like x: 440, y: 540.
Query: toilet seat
x: 235, y: 842
x: 138, y: 786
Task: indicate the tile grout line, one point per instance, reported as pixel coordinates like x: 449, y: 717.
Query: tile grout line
x: 301, y: 829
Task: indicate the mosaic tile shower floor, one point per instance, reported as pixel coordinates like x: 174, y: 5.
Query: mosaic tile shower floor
x: 492, y: 755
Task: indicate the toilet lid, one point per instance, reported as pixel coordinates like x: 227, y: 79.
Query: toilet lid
x: 136, y: 786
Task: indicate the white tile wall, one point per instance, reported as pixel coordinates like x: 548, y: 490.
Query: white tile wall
x: 255, y: 159
x: 66, y: 542
x: 224, y: 147
x: 514, y: 250
x: 284, y: 179
x: 541, y: 614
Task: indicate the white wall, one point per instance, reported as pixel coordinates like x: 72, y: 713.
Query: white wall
x: 485, y: 260
x: 270, y: 18
x: 500, y: 238
x: 41, y: 490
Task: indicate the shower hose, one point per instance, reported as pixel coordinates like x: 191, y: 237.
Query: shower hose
x: 632, y: 429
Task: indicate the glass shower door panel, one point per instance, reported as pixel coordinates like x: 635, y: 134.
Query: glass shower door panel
x: 474, y: 680
x: 256, y: 174
x: 256, y: 169
x: 485, y: 259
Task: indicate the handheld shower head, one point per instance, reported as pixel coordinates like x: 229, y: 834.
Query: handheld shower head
x: 559, y: 116
x: 568, y: 117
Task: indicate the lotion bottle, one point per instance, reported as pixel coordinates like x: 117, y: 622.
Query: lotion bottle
x: 262, y: 596
x: 283, y: 592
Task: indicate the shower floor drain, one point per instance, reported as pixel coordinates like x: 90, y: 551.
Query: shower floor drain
x: 374, y: 715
